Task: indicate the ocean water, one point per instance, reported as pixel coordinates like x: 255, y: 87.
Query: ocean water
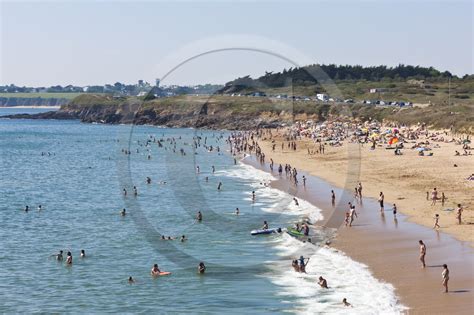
x: 77, y: 173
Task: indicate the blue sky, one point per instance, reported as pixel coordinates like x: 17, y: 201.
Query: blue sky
x: 98, y: 42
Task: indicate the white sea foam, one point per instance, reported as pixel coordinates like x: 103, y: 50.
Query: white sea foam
x: 346, y: 278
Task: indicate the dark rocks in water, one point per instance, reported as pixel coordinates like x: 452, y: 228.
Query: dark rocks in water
x: 201, y: 116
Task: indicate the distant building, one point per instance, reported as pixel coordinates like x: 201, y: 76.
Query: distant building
x: 322, y: 97
x: 377, y: 90
x: 140, y: 82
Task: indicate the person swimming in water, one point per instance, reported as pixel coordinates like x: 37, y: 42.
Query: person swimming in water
x: 237, y: 211
x: 183, y: 238
x: 155, y: 271
x: 40, y: 208
x: 345, y: 303
x: 124, y: 192
x: 123, y: 212
x: 199, y: 216
x: 219, y: 186
x: 323, y: 283
x: 201, y: 268
x: 83, y: 253
x: 303, y: 264
x: 27, y: 208
x: 148, y: 180
x: 59, y: 256
x: 294, y: 264
x: 69, y: 258
x: 131, y: 280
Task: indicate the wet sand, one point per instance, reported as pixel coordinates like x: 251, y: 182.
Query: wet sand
x: 390, y: 248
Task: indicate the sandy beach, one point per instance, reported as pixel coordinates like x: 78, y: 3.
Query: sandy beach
x: 388, y: 244
x: 403, y: 179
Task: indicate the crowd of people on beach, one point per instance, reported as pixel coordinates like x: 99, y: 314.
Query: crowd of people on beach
x: 333, y: 134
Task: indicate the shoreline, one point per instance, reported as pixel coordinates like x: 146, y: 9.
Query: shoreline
x: 31, y: 107
x: 390, y: 248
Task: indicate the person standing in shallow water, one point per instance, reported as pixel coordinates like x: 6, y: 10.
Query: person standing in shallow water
x: 333, y: 198
x: 381, y: 198
x: 201, y: 268
x: 69, y: 258
x: 199, y: 216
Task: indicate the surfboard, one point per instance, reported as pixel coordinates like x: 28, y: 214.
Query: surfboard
x: 259, y: 232
x: 294, y: 232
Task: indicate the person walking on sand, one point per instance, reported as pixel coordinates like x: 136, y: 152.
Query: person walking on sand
x: 459, y: 213
x: 394, y: 209
x: 359, y: 189
x: 333, y: 198
x: 422, y: 253
x: 436, y: 223
x: 381, y: 198
x: 352, y: 213
x: 434, y: 196
x: 445, y: 276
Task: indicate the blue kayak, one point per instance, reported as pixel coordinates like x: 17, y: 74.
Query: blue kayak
x: 269, y: 231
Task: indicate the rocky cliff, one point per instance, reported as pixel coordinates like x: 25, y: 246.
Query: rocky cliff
x: 243, y: 113
x: 196, y: 112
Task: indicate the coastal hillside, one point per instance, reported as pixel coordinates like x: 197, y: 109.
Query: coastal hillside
x: 403, y: 83
x: 226, y: 112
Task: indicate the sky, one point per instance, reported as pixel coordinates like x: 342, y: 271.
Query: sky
x: 44, y: 43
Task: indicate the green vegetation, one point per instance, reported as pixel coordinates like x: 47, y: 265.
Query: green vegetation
x: 459, y: 116
x: 401, y: 83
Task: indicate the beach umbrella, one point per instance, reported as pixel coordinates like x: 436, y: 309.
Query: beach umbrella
x: 393, y: 140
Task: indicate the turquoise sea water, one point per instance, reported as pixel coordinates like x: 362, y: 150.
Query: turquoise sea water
x: 79, y: 185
